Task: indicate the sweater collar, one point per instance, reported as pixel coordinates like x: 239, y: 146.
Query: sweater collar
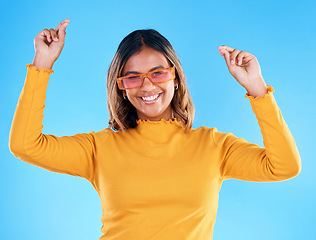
x: 160, y: 122
x: 159, y: 131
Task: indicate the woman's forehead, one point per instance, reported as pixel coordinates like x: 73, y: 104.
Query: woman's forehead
x: 145, y: 60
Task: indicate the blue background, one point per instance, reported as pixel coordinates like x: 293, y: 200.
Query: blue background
x: 37, y: 204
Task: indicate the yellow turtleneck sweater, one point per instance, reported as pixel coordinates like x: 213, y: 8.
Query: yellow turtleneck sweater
x: 155, y: 181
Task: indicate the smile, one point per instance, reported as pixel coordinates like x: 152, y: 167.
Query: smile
x: 151, y: 99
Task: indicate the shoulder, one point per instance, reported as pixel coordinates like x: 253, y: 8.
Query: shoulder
x: 203, y: 133
x: 103, y: 135
x: 203, y: 130
x: 213, y: 135
x: 108, y: 133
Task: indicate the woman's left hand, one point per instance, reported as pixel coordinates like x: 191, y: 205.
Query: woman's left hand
x: 245, y: 69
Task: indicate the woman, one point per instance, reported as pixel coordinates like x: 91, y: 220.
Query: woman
x: 156, y: 176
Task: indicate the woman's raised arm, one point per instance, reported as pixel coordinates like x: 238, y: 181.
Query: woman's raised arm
x: 73, y: 155
x: 280, y: 159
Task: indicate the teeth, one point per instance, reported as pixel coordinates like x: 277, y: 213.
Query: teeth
x: 150, y: 98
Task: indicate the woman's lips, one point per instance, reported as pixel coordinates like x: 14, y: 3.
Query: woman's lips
x: 151, y: 99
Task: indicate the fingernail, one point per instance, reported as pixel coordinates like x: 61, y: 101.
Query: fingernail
x: 239, y: 62
x: 232, y: 61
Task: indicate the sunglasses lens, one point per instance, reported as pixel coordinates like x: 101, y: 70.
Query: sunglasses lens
x: 161, y: 75
x: 131, y: 82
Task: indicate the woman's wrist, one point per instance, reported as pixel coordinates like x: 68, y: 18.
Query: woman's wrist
x: 41, y: 61
x: 259, y: 88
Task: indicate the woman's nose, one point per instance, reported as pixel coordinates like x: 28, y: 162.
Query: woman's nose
x: 147, y: 85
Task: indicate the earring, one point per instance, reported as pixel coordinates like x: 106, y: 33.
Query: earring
x: 176, y: 88
x: 124, y: 95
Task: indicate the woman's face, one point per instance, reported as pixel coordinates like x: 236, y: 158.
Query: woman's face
x: 151, y: 100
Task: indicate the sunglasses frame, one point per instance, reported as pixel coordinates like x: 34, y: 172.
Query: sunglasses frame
x: 147, y: 75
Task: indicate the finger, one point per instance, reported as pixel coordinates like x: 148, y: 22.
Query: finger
x: 60, y: 29
x: 226, y: 56
x: 53, y: 34
x: 240, y: 56
x: 229, y: 49
x: 62, y: 23
x: 45, y: 35
x: 233, y: 56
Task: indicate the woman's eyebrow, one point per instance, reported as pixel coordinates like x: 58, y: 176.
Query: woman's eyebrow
x: 158, y: 67
x: 135, y: 72
x: 130, y: 72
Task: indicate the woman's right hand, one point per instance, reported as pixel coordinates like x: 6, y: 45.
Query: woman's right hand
x: 48, y: 45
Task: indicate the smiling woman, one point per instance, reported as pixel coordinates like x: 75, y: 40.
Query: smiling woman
x: 140, y: 52
x: 157, y: 177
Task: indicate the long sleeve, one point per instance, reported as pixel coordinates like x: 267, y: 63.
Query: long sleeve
x: 69, y: 154
x: 278, y: 160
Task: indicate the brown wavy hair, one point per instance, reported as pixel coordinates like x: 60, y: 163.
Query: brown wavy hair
x: 122, y: 113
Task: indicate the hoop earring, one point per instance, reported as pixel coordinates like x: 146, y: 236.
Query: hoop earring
x: 176, y: 88
x: 124, y: 95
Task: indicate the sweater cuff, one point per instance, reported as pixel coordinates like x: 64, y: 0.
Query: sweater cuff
x: 270, y: 90
x: 36, y: 78
x: 33, y: 68
x: 263, y: 104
